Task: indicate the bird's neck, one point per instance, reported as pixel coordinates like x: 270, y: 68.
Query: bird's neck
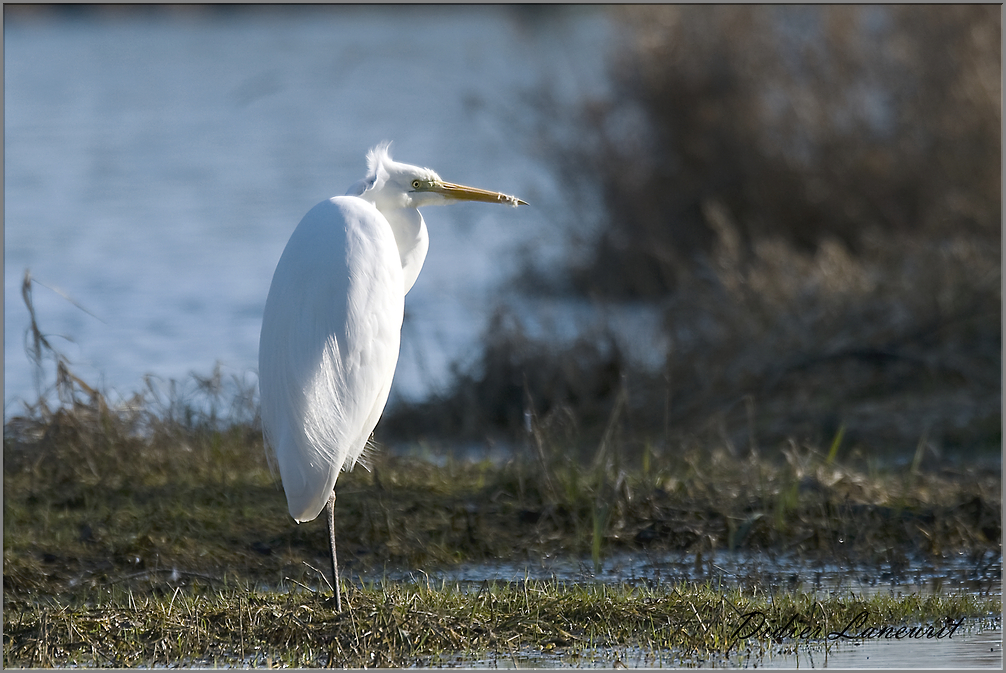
x: 413, y: 242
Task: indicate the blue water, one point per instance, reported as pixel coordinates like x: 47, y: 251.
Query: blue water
x: 156, y: 162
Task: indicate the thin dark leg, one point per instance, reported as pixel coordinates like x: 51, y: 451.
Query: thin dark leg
x: 335, y: 564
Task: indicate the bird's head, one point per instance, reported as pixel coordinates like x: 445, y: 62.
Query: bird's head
x: 398, y: 185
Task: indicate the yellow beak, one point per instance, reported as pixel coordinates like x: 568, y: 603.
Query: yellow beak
x: 462, y: 193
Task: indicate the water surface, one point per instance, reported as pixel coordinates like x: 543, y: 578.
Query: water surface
x: 157, y: 161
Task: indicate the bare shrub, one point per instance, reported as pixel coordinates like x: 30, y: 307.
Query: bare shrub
x: 805, y: 123
x: 813, y: 194
x: 516, y: 380
x: 76, y: 434
x: 900, y: 343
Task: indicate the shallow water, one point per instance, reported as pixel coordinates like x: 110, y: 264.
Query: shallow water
x: 157, y: 161
x: 979, y: 647
x: 954, y: 574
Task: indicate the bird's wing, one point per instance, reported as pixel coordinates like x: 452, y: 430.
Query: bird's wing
x: 329, y: 346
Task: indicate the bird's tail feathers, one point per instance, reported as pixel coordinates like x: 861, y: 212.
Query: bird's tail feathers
x: 366, y: 457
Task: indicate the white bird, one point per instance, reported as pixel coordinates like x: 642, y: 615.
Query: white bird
x: 333, y: 321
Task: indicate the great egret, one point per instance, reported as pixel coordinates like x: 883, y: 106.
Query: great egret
x: 333, y: 321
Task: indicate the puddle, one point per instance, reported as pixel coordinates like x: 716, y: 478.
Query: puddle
x: 980, y: 574
x: 979, y: 647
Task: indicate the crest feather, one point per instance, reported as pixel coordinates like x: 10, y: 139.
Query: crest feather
x: 378, y: 155
x: 378, y: 161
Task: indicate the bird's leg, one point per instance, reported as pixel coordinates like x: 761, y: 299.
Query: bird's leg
x: 335, y: 564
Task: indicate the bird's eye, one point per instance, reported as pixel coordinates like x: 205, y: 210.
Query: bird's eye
x: 415, y: 184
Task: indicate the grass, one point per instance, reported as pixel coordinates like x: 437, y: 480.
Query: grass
x: 153, y: 532
x: 84, y: 502
x: 132, y: 541
x: 400, y: 624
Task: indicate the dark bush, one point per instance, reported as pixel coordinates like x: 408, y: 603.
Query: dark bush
x: 812, y: 197
x: 804, y: 123
x: 516, y: 380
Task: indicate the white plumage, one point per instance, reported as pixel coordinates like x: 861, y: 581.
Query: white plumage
x: 329, y: 346
x: 332, y: 323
